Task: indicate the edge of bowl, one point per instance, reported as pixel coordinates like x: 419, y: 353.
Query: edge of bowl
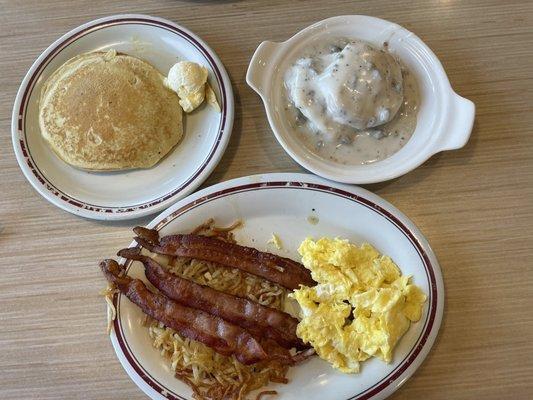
x: 341, y: 173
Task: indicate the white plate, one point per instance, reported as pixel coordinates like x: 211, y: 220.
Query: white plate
x: 444, y: 119
x: 130, y: 194
x: 281, y: 204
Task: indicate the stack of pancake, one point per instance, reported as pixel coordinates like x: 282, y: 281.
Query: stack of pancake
x: 106, y: 111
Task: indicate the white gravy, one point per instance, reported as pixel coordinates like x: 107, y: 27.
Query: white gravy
x: 349, y: 102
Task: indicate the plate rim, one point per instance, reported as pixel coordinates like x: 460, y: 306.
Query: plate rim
x: 402, y: 372
x: 99, y: 212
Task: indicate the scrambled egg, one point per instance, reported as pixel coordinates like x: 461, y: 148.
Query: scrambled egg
x: 189, y: 81
x: 361, y: 306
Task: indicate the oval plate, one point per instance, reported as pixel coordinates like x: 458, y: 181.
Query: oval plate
x: 135, y: 193
x: 283, y: 204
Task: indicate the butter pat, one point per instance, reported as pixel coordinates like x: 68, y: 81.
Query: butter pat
x: 188, y: 80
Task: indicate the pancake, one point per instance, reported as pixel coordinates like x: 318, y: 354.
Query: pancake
x: 109, y: 111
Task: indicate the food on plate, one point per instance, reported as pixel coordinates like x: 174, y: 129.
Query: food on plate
x: 313, y: 219
x: 275, y: 241
x: 105, y: 111
x: 223, y: 337
x: 211, y: 97
x: 259, y: 320
x: 283, y: 271
x: 204, y: 296
x: 189, y: 81
x: 361, y: 306
x: 349, y: 101
x: 217, y: 309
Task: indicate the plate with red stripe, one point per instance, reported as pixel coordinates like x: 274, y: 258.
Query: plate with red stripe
x: 294, y: 207
x: 133, y: 193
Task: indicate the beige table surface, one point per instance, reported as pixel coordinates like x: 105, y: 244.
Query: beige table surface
x: 474, y: 205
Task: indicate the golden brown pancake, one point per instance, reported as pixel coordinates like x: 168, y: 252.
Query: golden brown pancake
x: 107, y: 111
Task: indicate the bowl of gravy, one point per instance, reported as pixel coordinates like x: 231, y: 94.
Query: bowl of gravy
x: 358, y: 99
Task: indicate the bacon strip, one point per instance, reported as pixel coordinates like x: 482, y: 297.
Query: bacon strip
x: 259, y: 320
x: 222, y: 336
x: 283, y: 271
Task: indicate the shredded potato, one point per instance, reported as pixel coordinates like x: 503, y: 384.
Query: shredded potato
x: 108, y: 294
x: 211, y: 375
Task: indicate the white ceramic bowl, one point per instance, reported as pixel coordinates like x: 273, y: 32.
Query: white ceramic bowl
x: 134, y: 193
x: 444, y: 120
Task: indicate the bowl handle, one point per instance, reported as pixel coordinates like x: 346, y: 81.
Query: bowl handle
x: 259, y: 68
x: 460, y: 124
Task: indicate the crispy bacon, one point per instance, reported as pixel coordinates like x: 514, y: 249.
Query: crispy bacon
x: 259, y: 320
x: 281, y: 270
x: 222, y: 336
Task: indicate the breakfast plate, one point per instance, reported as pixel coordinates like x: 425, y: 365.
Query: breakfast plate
x: 294, y: 207
x: 132, y: 193
x: 444, y: 119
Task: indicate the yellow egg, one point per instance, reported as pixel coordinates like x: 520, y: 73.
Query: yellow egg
x: 361, y: 306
